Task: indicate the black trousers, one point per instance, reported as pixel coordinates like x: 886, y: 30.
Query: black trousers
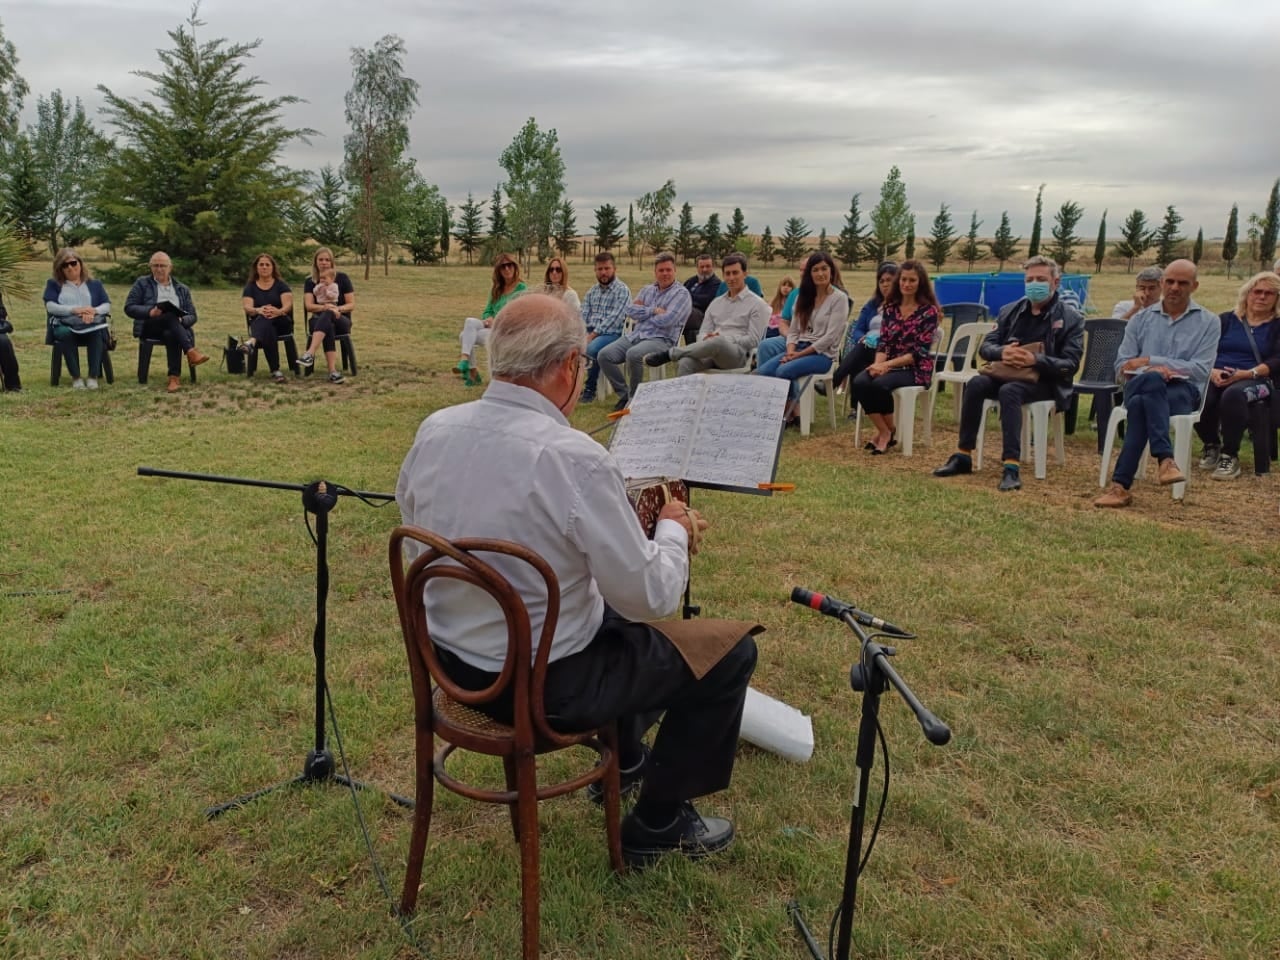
x: 264, y: 331
x: 693, y: 325
x: 95, y: 344
x: 331, y: 324
x: 1228, y: 409
x: 855, y: 361
x: 177, y: 338
x: 875, y: 394
x: 631, y: 673
x: 9, y: 364
x: 1011, y: 395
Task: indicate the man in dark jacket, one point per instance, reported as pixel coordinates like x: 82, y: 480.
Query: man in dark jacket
x: 703, y: 287
x: 1042, y: 318
x: 162, y: 309
x: 8, y: 359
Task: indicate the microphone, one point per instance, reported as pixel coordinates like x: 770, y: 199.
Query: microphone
x: 831, y: 607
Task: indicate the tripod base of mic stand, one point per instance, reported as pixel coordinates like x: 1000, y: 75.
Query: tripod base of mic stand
x: 793, y: 910
x: 319, y: 768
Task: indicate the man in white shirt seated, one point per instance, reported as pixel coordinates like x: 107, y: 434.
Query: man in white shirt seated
x: 1146, y: 291
x: 731, y: 328
x: 570, y: 506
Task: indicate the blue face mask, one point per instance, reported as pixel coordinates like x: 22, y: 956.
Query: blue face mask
x: 1038, y: 291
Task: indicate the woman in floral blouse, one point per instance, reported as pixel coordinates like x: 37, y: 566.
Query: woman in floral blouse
x: 904, y: 355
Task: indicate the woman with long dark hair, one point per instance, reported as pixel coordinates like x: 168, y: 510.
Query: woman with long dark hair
x: 817, y: 322
x: 904, y: 353
x: 864, y: 334
x: 555, y: 283
x: 506, y: 284
x: 268, y: 305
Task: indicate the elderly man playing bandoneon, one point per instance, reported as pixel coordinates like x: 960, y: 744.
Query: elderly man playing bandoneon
x: 509, y: 466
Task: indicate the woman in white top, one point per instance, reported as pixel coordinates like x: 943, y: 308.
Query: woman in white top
x: 817, y: 323
x: 77, y: 307
x: 556, y: 283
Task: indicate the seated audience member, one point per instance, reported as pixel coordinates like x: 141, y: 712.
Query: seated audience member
x: 1039, y: 339
x: 1248, y: 353
x: 555, y: 283
x: 1166, y: 356
x: 607, y: 663
x: 904, y: 352
x: 775, y: 328
x: 660, y: 312
x: 752, y: 284
x: 604, y: 311
x: 73, y: 301
x: 818, y: 322
x: 733, y: 325
x: 863, y: 336
x: 772, y: 347
x: 330, y: 316
x: 506, y: 284
x: 1146, y: 292
x: 703, y: 287
x: 8, y: 358
x: 268, y: 303
x: 162, y: 309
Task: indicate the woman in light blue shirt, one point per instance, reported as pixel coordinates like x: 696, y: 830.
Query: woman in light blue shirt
x: 78, y: 307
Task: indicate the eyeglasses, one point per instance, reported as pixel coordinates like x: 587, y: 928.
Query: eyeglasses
x: 555, y: 270
x: 71, y: 263
x: 507, y: 266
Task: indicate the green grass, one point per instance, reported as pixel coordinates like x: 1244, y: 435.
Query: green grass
x: 1112, y: 789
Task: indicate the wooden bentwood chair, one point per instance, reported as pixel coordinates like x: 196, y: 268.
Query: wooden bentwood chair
x: 445, y: 710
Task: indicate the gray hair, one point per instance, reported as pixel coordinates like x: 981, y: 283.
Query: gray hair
x: 531, y: 334
x: 664, y: 257
x: 1149, y: 275
x: 1054, y: 270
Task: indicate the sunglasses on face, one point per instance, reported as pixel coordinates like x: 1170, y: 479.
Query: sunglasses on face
x: 507, y: 266
x: 72, y: 263
x: 555, y: 270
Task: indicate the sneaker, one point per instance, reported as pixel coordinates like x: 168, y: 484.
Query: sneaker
x: 690, y: 834
x: 77, y: 384
x: 1228, y: 467
x: 307, y: 361
x: 277, y: 376
x: 631, y: 778
x: 1010, y: 480
x: 92, y: 384
x: 658, y: 359
x: 1210, y: 459
x: 336, y: 377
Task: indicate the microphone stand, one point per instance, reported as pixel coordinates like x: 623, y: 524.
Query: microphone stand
x: 318, y: 498
x: 871, y: 676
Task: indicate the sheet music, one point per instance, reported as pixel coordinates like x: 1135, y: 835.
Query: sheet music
x: 653, y: 439
x: 736, y: 439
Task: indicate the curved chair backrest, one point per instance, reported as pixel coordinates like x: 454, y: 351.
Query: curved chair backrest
x: 965, y: 342
x: 523, y: 673
x: 1103, y: 338
x: 964, y: 313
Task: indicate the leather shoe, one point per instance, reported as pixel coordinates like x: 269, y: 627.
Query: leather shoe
x: 631, y: 778
x: 195, y: 357
x: 1116, y: 496
x: 621, y: 404
x: 690, y: 834
x: 658, y: 359
x: 956, y: 464
x: 1167, y: 472
x: 1009, y: 480
x: 174, y: 384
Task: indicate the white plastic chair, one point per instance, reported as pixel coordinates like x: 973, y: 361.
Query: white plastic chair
x: 975, y: 332
x: 807, y: 393
x: 1180, y: 428
x: 1035, y: 432
x: 904, y: 408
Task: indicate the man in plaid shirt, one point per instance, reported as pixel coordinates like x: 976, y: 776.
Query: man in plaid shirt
x: 604, y: 311
x: 659, y: 313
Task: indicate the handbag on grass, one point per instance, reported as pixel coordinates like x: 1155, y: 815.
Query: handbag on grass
x: 1005, y: 372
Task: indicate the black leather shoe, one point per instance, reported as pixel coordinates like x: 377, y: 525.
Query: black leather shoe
x: 621, y: 404
x: 658, y: 359
x: 820, y: 388
x: 631, y: 778
x: 956, y: 464
x: 689, y: 834
x: 1009, y: 480
x: 586, y: 397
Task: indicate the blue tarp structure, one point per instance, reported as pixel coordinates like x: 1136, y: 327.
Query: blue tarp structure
x: 996, y: 289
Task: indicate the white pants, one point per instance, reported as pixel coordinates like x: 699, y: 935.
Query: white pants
x: 473, y: 331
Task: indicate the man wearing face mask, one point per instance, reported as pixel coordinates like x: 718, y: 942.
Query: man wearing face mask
x: 1040, y: 339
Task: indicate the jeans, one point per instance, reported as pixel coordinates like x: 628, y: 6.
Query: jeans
x: 94, y: 345
x: 612, y: 357
x: 1150, y: 402
x: 806, y: 366
x: 1012, y: 395
x: 598, y: 343
x: 770, y: 348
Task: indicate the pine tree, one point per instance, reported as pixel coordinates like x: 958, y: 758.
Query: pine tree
x: 69, y: 156
x: 686, y: 234
x: 631, y: 231
x: 766, y: 251
x: 793, y: 240
x: 25, y: 200
x: 498, y: 233
x: 736, y: 231
x: 891, y: 218
x: 13, y: 89
x: 1167, y: 237
x: 1033, y: 249
x: 942, y: 237
x: 853, y: 240
x: 1100, y: 248
x: 823, y: 243
x: 712, y: 238
x: 909, y: 248
x: 469, y: 226
x: 608, y: 227
x: 1135, y: 238
x: 1231, y: 242
x: 1064, y: 232
x: 1004, y: 246
x: 971, y: 249
x: 1197, y: 249
x: 564, y: 229
x: 1270, y: 228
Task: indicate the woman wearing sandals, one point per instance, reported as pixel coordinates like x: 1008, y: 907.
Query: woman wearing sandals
x: 330, y: 320
x: 904, y: 355
x: 268, y: 303
x: 506, y: 284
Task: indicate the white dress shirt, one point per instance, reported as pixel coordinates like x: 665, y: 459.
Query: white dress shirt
x: 509, y: 466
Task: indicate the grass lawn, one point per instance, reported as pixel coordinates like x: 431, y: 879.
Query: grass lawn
x: 1112, y: 789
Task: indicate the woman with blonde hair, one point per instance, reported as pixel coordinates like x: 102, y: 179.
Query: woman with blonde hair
x: 1240, y: 383
x: 76, y: 304
x: 328, y: 320
x: 555, y: 283
x: 506, y: 284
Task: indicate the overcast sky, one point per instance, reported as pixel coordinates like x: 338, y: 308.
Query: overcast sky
x: 782, y: 108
